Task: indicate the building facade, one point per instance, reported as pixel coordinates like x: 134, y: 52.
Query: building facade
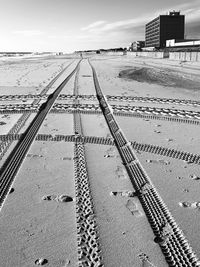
x: 183, y: 43
x: 136, y: 46
x: 164, y: 27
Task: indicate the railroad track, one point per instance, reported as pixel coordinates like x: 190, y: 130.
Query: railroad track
x: 150, y: 148
x: 16, y: 157
x: 168, y: 235
x: 156, y: 100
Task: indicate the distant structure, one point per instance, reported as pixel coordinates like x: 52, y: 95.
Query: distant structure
x: 164, y: 27
x: 183, y: 43
x: 100, y: 51
x: 136, y: 46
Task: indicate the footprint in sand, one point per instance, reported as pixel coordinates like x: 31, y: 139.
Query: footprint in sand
x: 49, y: 197
x: 102, y: 125
x: 160, y: 161
x: 66, y: 158
x: 145, y: 260
x: 133, y: 208
x: 34, y: 156
x: 169, y: 139
x: 194, y: 177
x: 123, y: 193
x: 191, y: 205
x: 41, y: 261
x: 121, y: 173
x: 110, y: 153
x: 61, y: 198
x: 11, y: 190
x: 66, y: 263
x: 109, y: 136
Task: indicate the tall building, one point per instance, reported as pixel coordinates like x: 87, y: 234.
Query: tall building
x: 164, y: 27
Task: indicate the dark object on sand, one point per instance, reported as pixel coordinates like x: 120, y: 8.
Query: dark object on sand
x: 41, y: 261
x: 11, y: 190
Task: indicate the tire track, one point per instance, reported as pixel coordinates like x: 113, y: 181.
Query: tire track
x: 16, y: 157
x: 116, y: 108
x: 150, y: 148
x: 96, y: 111
x: 156, y: 100
x: 23, y: 119
x: 168, y: 235
x: 87, y: 236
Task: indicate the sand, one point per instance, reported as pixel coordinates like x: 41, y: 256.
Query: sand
x: 36, y: 225
x: 31, y: 227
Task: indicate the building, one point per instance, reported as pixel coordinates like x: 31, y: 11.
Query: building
x: 183, y: 43
x: 136, y: 46
x: 164, y: 27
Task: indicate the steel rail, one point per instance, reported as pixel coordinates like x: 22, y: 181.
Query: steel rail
x: 168, y: 235
x: 13, y: 162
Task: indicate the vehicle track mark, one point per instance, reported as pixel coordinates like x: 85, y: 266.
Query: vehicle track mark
x: 156, y: 100
x: 87, y: 235
x: 12, y: 164
x: 168, y: 235
x: 22, y: 120
x: 150, y: 148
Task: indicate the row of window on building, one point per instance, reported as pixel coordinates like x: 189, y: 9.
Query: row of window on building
x: 164, y: 31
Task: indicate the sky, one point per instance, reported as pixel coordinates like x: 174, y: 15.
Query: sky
x: 70, y: 25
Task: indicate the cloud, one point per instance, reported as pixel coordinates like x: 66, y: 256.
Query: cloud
x: 190, y: 9
x: 93, y: 25
x: 192, y: 15
x: 115, y: 26
x: 28, y: 32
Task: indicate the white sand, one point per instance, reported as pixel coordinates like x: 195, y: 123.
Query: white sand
x: 123, y: 235
x: 9, y: 120
x: 94, y: 125
x: 159, y: 132
x: 174, y: 183
x: 108, y: 72
x: 56, y: 124
x: 34, y: 228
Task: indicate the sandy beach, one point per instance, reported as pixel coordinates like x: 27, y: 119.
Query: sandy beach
x: 36, y: 223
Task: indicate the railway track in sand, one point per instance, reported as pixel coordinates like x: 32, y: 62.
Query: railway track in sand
x: 168, y: 235
x: 16, y: 157
x: 23, y: 119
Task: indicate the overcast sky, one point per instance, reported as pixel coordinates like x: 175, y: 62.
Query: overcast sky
x: 69, y: 25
